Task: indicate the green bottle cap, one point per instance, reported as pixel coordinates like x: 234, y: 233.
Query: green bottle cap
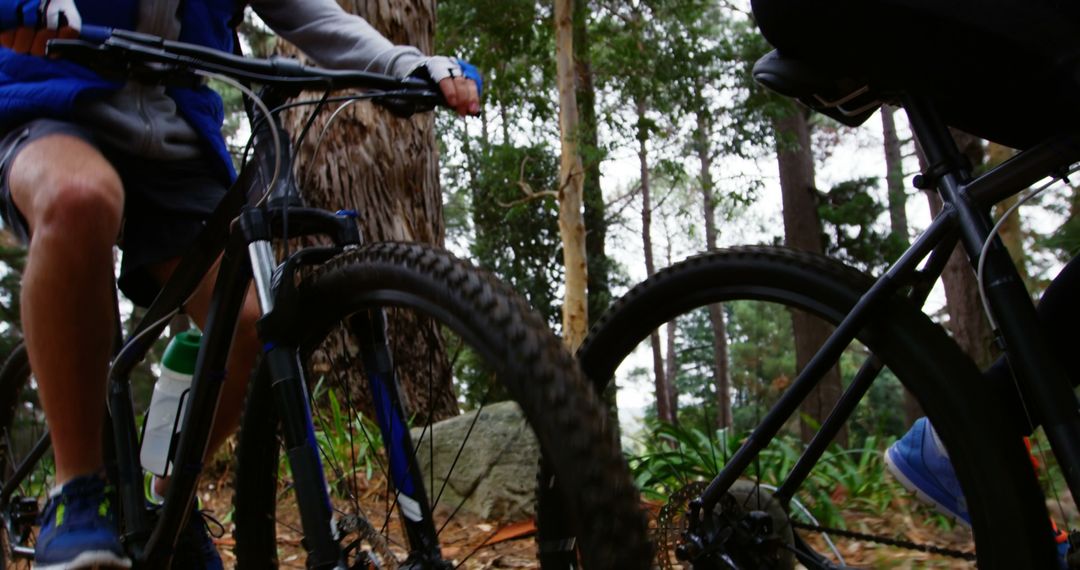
x: 181, y: 352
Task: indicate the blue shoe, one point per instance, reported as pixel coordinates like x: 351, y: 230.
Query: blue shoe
x: 919, y: 462
x: 196, y: 549
x: 78, y: 529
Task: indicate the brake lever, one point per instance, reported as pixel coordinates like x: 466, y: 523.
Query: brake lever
x: 405, y: 105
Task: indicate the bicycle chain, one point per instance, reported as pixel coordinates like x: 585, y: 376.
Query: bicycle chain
x: 961, y: 554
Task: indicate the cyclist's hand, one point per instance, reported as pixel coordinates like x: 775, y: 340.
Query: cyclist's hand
x: 28, y: 24
x: 460, y: 82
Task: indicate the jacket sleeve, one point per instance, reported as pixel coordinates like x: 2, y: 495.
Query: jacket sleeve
x: 334, y: 38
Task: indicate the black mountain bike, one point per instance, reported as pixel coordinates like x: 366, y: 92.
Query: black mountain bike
x: 312, y: 444
x: 754, y: 509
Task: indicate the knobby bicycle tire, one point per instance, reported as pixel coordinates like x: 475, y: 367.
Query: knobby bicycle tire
x: 22, y: 426
x: 1010, y: 521
x: 529, y: 362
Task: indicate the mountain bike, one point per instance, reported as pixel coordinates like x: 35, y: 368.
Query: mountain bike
x: 333, y: 473
x: 767, y: 500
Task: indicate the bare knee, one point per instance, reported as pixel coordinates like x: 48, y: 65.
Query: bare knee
x: 85, y: 211
x: 81, y: 203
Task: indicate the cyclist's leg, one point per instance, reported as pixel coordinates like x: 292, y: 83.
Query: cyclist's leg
x: 245, y: 349
x: 73, y: 215
x: 168, y: 203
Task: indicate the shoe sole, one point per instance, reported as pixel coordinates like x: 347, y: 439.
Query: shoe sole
x: 904, y: 481
x: 101, y: 560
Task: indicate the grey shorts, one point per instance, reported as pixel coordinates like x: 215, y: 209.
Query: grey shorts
x: 166, y: 202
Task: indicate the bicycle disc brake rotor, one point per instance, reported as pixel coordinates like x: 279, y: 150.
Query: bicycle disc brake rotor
x: 746, y: 529
x: 672, y: 522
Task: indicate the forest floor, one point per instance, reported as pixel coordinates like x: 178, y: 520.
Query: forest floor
x: 484, y: 545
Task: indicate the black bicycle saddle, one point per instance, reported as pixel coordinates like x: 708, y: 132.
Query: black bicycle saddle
x: 1005, y: 70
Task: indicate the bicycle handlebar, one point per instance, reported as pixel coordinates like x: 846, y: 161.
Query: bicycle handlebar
x: 124, y: 54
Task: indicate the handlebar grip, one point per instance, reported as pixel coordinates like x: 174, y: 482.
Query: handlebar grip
x: 95, y: 34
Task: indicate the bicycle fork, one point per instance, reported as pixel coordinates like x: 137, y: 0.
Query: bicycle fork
x: 410, y: 495
x: 289, y: 387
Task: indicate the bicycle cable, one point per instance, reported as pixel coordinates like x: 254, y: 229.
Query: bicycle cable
x: 997, y: 228
x: 266, y: 111
x: 322, y: 135
x: 980, y: 279
x: 131, y: 342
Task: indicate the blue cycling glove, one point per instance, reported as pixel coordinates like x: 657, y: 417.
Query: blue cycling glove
x: 471, y: 72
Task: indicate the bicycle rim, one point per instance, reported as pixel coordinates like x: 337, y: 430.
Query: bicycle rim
x: 763, y: 290
x: 512, y: 385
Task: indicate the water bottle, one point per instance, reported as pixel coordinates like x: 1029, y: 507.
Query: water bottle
x: 170, y: 393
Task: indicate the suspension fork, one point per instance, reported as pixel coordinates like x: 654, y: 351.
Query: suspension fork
x: 292, y: 401
x: 410, y: 496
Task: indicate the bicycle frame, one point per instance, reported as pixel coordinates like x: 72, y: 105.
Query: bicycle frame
x: 964, y: 218
x: 241, y: 238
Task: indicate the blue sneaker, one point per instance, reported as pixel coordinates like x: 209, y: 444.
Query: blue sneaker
x: 196, y: 549
x: 78, y: 529
x: 919, y: 462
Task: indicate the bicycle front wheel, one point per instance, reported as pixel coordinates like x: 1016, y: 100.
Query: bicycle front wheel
x: 478, y: 471
x: 763, y: 291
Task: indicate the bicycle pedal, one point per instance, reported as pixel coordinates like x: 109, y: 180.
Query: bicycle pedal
x: 24, y: 511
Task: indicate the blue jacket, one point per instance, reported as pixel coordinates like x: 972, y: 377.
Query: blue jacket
x: 35, y: 87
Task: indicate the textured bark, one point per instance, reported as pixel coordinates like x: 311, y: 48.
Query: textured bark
x: 663, y: 392
x: 967, y: 322
x: 672, y: 370
x: 894, y: 175
x: 599, y: 285
x: 388, y: 170
x: 898, y: 222
x: 802, y: 230
x: 721, y: 364
x: 571, y: 182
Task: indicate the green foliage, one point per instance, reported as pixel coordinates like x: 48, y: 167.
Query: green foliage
x: 12, y: 262
x: 849, y: 214
x: 512, y: 42
x: 347, y: 438
x: 1065, y: 240
x: 516, y: 228
x: 843, y: 479
x: 761, y: 354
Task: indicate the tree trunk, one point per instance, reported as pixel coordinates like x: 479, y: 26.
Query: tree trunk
x: 1012, y: 231
x: 599, y: 286
x: 967, y: 322
x: 898, y: 222
x: 802, y: 229
x: 894, y: 176
x: 571, y: 182
x: 672, y: 371
x: 663, y: 393
x: 388, y: 169
x: 721, y: 365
